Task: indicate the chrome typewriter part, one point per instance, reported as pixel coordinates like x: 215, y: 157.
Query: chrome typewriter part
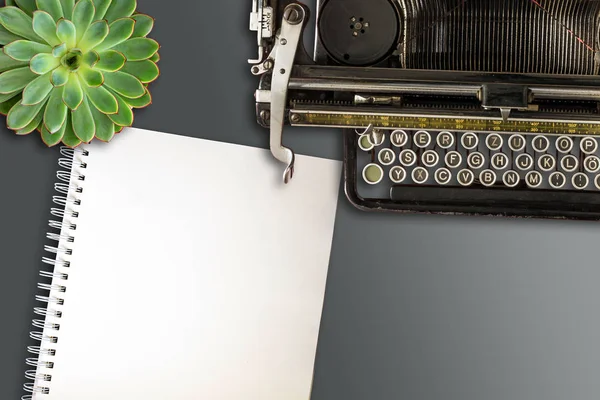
x: 447, y: 106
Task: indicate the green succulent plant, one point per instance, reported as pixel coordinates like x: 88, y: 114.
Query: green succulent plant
x: 74, y: 70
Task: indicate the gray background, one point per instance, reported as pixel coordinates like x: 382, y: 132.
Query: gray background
x: 417, y: 307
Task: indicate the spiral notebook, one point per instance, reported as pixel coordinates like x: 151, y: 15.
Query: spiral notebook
x: 183, y: 269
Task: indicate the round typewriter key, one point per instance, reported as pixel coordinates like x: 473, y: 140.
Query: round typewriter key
x: 475, y: 160
x: 516, y: 143
x: 399, y: 138
x: 453, y: 159
x: 408, y: 158
x: 443, y: 176
x: 422, y: 139
x: 466, y: 177
x: 500, y: 161
x: 469, y: 141
x: 386, y: 157
x: 445, y: 140
x: 580, y: 181
x: 564, y: 144
x: 357, y: 32
x: 592, y: 164
x: 430, y: 158
x: 524, y: 162
x: 364, y: 143
x: 547, y: 162
x: 558, y: 180
x: 511, y: 178
x: 533, y: 179
x: 541, y: 144
x: 487, y: 178
x: 597, y: 182
x: 397, y: 174
x: 569, y: 163
x: 589, y: 145
x: 494, y: 142
x: 373, y: 174
x: 420, y: 175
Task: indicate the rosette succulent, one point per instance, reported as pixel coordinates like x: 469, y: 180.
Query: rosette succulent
x: 74, y: 70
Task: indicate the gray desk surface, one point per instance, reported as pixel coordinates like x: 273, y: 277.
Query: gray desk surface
x: 417, y: 307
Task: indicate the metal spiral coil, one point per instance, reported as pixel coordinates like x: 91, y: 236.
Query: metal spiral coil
x: 49, y: 314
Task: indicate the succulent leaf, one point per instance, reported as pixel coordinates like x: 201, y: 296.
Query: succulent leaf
x: 45, y: 27
x: 52, y: 7
x: 11, y: 3
x: 56, y: 111
x: 105, y: 129
x: 146, y: 71
x: 66, y: 32
x: 91, y: 58
x: 7, y: 37
x: 19, y: 23
x: 155, y: 57
x: 37, y: 90
x: 15, y: 79
x: 7, y: 96
x: 138, y: 49
x: 110, y: 61
x: 102, y: 99
x: 27, y: 5
x: 59, y: 50
x: 124, y: 84
x: 140, y: 102
x: 119, y: 9
x: 20, y: 115
x: 101, y: 8
x: 43, y: 63
x: 60, y: 76
x: 73, y: 93
x: 143, y: 25
x: 91, y: 77
x: 7, y: 63
x: 83, y: 15
x: 6, y: 106
x: 95, y: 35
x: 52, y: 139
x: 24, y: 50
x: 124, y: 117
x: 119, y: 31
x: 32, y: 126
x: 83, y: 122
x: 67, y: 7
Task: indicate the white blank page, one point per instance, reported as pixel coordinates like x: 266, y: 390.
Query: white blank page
x: 195, y: 274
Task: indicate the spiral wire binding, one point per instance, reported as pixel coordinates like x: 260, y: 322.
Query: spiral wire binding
x: 49, y: 315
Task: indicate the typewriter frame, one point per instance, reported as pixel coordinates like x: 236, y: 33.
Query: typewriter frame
x: 504, y: 97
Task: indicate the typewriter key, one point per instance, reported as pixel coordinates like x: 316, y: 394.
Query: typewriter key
x: 500, y: 161
x: 524, y: 162
x: 387, y: 157
x: 445, y: 140
x: 365, y: 144
x: 511, y: 179
x: 516, y: 143
x: 580, y: 181
x: 564, y: 144
x: 592, y: 164
x: 422, y: 139
x: 541, y: 144
x: 358, y: 32
x: 420, y: 175
x: 558, y: 180
x: 533, y: 179
x: 494, y: 142
x: 408, y: 158
x: 430, y: 158
x: 443, y: 176
x: 453, y: 159
x: 466, y: 177
x: 589, y: 145
x: 487, y: 178
x: 470, y: 141
x: 399, y: 138
x: 569, y: 163
x: 397, y: 174
x: 475, y: 160
x: 373, y: 174
x: 547, y: 162
x: 597, y: 182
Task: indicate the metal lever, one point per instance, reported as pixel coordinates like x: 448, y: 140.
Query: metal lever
x: 287, y: 43
x: 261, y: 21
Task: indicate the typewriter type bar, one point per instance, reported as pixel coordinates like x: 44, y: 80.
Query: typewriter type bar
x: 520, y: 71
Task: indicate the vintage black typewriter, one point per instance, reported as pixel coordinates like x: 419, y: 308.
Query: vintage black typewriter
x: 447, y: 106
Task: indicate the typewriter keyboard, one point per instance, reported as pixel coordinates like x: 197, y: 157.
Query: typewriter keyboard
x: 476, y: 160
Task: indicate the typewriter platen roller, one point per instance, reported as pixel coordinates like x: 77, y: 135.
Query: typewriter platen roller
x: 446, y: 106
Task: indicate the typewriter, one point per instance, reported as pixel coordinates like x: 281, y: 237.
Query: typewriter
x: 446, y: 106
